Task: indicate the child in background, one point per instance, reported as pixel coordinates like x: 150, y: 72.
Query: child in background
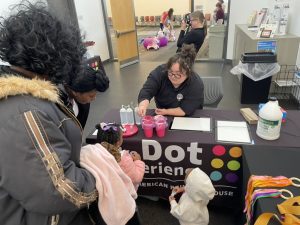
x: 110, y: 137
x: 192, y: 206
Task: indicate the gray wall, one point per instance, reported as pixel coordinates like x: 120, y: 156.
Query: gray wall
x: 64, y: 9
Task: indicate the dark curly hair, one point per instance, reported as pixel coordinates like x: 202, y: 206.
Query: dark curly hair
x: 90, y: 80
x: 37, y: 41
x: 185, y: 58
x: 110, y: 135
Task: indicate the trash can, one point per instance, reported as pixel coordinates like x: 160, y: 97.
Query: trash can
x: 256, y: 71
x: 254, y: 92
x: 216, y: 36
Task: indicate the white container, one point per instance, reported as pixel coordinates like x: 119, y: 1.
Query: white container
x: 123, y: 115
x: 136, y: 116
x: 269, y: 121
x: 130, y: 116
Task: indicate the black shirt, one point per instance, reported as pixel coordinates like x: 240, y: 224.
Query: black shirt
x: 195, y: 36
x: 188, y: 96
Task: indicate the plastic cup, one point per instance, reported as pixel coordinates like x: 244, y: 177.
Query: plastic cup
x: 147, y: 126
x: 160, y: 117
x: 147, y: 118
x: 160, y: 127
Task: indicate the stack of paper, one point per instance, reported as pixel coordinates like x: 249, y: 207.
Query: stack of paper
x: 188, y: 123
x: 230, y: 131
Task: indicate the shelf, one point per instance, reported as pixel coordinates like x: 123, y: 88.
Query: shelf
x: 285, y: 83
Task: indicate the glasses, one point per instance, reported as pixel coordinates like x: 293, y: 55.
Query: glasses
x: 175, y: 75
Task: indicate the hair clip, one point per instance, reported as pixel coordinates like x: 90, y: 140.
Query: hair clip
x: 108, y: 126
x: 114, y: 126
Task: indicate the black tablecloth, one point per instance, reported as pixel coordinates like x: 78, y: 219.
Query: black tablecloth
x: 270, y: 161
x: 183, y: 149
x: 289, y: 136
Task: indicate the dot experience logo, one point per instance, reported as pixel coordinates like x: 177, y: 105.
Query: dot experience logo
x: 224, y: 168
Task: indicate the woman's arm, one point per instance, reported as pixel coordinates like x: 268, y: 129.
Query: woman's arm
x: 149, y: 89
x: 37, y: 170
x: 170, y: 112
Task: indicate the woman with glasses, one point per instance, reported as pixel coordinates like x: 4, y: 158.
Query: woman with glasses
x: 197, y: 34
x: 176, y: 88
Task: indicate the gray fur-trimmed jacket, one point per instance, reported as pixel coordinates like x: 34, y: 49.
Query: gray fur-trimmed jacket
x: 41, y: 182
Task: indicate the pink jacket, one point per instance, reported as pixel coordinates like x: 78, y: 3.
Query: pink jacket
x: 134, y: 169
x: 116, y: 193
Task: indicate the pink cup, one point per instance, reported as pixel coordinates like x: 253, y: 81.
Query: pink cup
x: 148, y: 118
x: 160, y: 117
x: 160, y: 127
x: 147, y: 126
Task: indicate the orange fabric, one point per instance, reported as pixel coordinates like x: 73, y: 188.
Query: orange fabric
x: 289, y: 208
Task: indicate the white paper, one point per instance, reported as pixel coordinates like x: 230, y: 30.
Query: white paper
x: 96, y: 132
x: 230, y: 131
x: 188, y: 123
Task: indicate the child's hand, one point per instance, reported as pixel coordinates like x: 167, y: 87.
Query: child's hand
x: 135, y: 155
x: 178, y: 189
x: 171, y: 198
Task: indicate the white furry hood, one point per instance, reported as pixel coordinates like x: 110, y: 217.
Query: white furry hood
x: 199, y: 186
x: 11, y: 85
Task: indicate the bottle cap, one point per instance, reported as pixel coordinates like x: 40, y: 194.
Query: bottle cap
x: 272, y: 98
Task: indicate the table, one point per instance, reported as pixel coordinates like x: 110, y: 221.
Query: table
x: 167, y: 158
x: 246, y: 41
x: 271, y: 161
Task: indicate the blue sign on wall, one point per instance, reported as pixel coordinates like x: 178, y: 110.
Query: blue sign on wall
x: 266, y: 46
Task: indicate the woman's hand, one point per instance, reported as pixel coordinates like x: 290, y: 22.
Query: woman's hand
x: 162, y: 112
x: 183, y: 25
x: 143, y: 105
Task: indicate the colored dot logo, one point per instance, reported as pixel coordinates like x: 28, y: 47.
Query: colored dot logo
x: 215, y: 176
x: 225, y: 165
x: 217, y: 163
x: 231, y: 177
x: 233, y: 165
x: 235, y: 152
x: 219, y: 150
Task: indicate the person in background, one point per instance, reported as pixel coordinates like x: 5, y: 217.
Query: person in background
x: 166, y: 18
x: 40, y: 140
x: 197, y: 33
x: 176, y: 88
x: 197, y: 192
x: 223, y: 5
x: 78, y: 94
x: 219, y: 13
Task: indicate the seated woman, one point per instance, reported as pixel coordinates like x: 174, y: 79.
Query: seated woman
x: 176, y: 88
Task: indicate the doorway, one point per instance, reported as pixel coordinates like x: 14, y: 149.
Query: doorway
x: 147, y: 25
x: 122, y: 31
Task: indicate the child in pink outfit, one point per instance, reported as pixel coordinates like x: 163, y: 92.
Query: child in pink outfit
x: 110, y: 136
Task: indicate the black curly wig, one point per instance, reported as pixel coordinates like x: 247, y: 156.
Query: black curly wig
x: 37, y: 41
